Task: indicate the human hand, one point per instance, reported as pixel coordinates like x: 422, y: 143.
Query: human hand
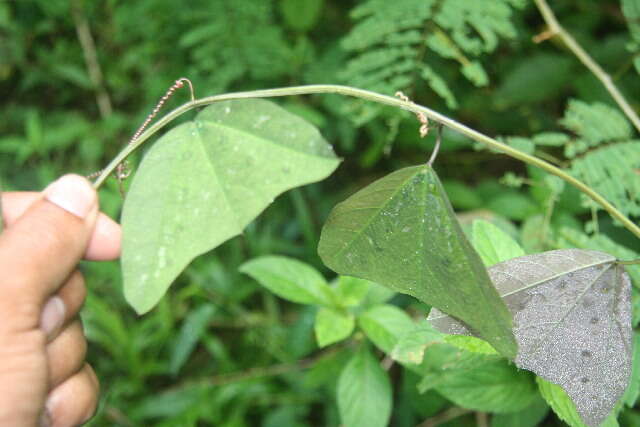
x: 44, y: 379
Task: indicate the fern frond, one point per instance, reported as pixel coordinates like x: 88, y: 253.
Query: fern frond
x: 234, y: 40
x: 394, y: 43
x: 600, y: 149
x: 571, y: 238
x: 613, y: 171
x: 631, y: 11
x: 593, y: 124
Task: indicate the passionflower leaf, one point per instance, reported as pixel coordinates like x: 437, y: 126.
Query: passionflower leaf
x: 572, y: 320
x: 401, y: 232
x: 204, y: 181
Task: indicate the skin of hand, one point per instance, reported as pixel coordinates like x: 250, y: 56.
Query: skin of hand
x: 44, y: 379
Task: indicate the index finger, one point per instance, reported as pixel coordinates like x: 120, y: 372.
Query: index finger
x: 104, y: 243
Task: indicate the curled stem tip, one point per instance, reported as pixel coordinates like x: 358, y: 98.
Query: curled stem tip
x: 434, y: 154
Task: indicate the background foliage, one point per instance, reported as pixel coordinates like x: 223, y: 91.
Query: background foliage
x: 78, y: 77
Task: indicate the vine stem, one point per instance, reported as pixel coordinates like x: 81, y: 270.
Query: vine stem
x: 382, y: 99
x: 555, y: 29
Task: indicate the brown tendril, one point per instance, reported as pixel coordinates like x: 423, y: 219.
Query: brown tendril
x: 422, y: 118
x: 123, y: 170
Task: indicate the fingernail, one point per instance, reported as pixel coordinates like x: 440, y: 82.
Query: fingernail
x: 72, y: 193
x: 52, y: 315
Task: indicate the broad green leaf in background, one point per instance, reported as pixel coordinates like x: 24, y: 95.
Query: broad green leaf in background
x: 377, y: 294
x: 204, y: 181
x: 301, y: 15
x: 468, y: 343
x: 192, y: 329
x: 289, y: 279
x: 332, y: 326
x: 530, y: 416
x: 564, y: 408
x: 384, y: 325
x: 364, y: 392
x: 401, y: 232
x: 350, y: 291
x: 482, y: 382
x: 412, y: 344
x: 633, y: 391
x: 572, y: 320
x: 493, y: 245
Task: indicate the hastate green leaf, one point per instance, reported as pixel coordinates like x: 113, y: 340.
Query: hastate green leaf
x: 364, y: 392
x: 332, y: 326
x: 572, y: 320
x: 401, y: 232
x: 493, y: 245
x: 290, y: 279
x: 204, y: 181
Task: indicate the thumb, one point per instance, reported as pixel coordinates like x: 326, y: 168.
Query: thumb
x: 41, y: 249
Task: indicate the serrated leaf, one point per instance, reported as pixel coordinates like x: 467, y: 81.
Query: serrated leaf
x: 384, y: 325
x: 572, y: 320
x: 401, y: 232
x: 289, y: 279
x: 192, y: 329
x: 332, y: 326
x: 411, y: 346
x: 484, y: 383
x: 364, y: 392
x: 204, y: 181
x: 564, y: 408
x: 493, y: 245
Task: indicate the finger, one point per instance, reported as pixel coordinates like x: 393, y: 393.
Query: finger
x: 66, y: 353
x: 70, y: 299
x: 74, y: 401
x: 39, y: 251
x: 105, y: 240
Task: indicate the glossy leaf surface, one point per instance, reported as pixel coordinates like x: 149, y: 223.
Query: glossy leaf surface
x: 401, y: 232
x: 572, y: 320
x: 204, y: 181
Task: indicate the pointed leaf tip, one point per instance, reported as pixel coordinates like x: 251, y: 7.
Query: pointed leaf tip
x: 401, y: 232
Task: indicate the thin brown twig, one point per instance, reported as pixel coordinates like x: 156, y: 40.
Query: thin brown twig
x: 260, y: 372
x: 444, y: 416
x: 482, y: 420
x: 555, y: 29
x: 91, y: 58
